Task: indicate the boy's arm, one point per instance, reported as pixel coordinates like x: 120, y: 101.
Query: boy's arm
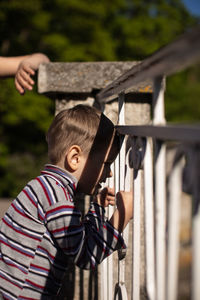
x: 88, y: 241
x: 124, y: 211
x: 107, y: 235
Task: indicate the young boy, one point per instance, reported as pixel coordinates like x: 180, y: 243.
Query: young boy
x: 42, y: 231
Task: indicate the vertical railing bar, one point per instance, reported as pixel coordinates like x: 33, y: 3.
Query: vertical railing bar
x: 196, y: 255
x: 120, y: 287
x: 122, y: 154
x: 160, y: 196
x: 192, y: 160
x: 104, y: 280
x: 116, y: 181
x: 104, y: 273
x: 107, y: 264
x: 136, y: 238
x: 121, y: 113
x: 121, y: 121
x: 175, y: 186
x: 110, y: 258
x: 158, y: 101
x: 124, y: 178
x: 160, y: 190
x: 149, y: 220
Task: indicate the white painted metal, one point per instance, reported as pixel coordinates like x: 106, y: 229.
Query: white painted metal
x: 136, y: 238
x: 124, y: 184
x: 175, y: 186
x: 158, y: 101
x: 110, y: 258
x: 196, y: 256
x: 121, y: 114
x: 104, y: 280
x: 124, y: 178
x: 160, y: 217
x: 160, y: 191
x: 149, y: 220
x: 107, y: 264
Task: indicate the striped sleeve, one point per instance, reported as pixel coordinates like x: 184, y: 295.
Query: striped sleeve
x: 90, y: 241
x: 101, y: 239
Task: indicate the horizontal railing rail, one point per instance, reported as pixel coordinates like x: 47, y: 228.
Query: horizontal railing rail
x: 168, y: 132
x: 176, y: 56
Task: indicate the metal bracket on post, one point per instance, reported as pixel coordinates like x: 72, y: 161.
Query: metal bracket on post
x: 136, y: 155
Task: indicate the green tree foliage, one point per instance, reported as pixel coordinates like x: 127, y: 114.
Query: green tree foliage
x: 75, y: 30
x: 183, y: 95
x: 24, y: 121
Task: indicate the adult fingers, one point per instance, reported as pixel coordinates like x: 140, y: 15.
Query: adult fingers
x: 27, y: 68
x: 25, y: 75
x: 19, y: 86
x: 24, y: 81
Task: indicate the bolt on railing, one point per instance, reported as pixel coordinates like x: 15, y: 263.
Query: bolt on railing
x: 162, y: 199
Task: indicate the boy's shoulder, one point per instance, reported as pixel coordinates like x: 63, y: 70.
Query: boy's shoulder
x: 52, y: 188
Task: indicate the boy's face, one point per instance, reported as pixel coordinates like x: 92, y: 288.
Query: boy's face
x: 105, y: 170
x: 97, y: 169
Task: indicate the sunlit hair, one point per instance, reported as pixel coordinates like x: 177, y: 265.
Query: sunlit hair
x: 74, y: 126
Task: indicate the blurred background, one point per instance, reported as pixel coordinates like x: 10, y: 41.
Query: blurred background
x: 82, y: 30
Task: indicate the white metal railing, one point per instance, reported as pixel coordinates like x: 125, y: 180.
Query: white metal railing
x: 162, y: 198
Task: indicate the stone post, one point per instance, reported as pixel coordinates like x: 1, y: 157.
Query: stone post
x: 74, y: 83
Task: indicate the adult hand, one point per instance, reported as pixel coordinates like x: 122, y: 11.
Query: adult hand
x: 26, y: 69
x: 23, y: 80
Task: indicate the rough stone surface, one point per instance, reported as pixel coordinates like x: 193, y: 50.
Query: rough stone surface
x: 82, y: 77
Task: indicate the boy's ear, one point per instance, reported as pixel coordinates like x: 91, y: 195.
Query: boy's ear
x: 72, y: 158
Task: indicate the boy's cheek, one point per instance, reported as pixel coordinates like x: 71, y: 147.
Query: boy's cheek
x: 89, y: 181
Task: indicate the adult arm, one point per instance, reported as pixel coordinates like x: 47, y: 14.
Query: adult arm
x: 9, y: 65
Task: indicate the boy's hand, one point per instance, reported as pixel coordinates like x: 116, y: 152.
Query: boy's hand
x: 124, y: 212
x: 125, y: 203
x: 106, y: 197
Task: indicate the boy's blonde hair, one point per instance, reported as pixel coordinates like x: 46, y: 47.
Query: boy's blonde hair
x: 74, y: 126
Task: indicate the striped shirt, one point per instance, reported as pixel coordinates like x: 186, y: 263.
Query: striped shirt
x: 42, y: 232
